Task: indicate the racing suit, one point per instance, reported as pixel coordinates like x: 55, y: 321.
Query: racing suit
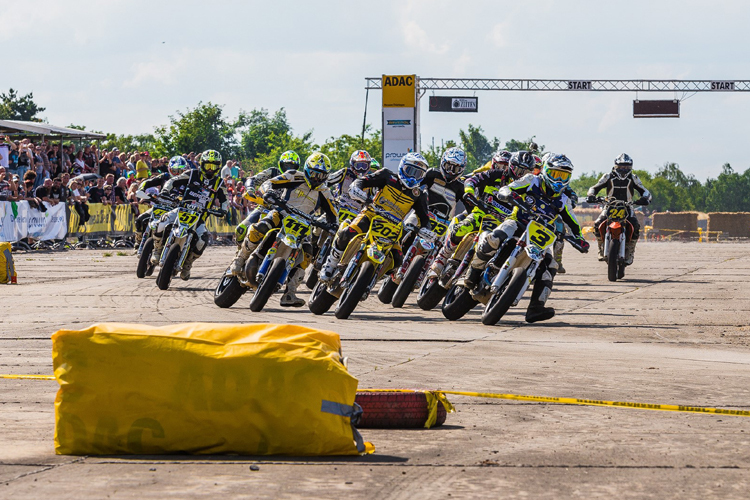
x: 297, y: 194
x: 195, y: 187
x: 251, y: 193
x: 158, y: 181
x: 621, y: 189
x: 393, y: 198
x: 529, y: 187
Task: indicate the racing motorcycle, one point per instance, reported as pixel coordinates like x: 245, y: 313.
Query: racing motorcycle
x: 366, y: 259
x: 180, y: 238
x: 268, y: 269
x: 434, y: 288
x: 417, y: 261
x: 616, y: 232
x: 163, y: 203
x: 323, y: 245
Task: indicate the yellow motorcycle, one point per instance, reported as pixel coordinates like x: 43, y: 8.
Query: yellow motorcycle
x: 366, y: 259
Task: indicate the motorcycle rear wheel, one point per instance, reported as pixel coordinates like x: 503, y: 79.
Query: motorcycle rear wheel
x: 387, y: 289
x: 351, y: 296
x: 430, y: 294
x: 228, y: 291
x: 144, y: 261
x: 408, y: 282
x: 458, y: 301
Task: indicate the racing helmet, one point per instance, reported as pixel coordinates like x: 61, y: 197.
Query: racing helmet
x: 623, y: 166
x: 452, y: 164
x: 289, y: 160
x: 360, y: 162
x: 538, y: 163
x: 412, y: 170
x: 556, y: 174
x: 177, y: 165
x: 521, y: 163
x: 210, y: 163
x: 375, y: 164
x: 500, y: 160
x: 316, y: 169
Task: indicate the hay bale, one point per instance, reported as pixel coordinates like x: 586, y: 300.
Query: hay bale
x: 731, y: 224
x: 586, y: 216
x: 682, y: 225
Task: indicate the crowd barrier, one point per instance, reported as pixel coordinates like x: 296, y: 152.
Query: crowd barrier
x: 18, y: 220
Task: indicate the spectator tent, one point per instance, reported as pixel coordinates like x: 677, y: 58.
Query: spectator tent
x: 45, y: 130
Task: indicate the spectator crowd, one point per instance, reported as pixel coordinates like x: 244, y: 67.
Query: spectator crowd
x: 42, y: 173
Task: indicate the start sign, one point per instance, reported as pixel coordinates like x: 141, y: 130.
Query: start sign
x: 722, y: 86
x: 399, y: 91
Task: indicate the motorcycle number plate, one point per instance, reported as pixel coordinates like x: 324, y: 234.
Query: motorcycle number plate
x: 382, y: 228
x: 616, y: 213
x: 188, y: 218
x: 158, y: 212
x: 345, y: 215
x: 438, y: 227
x: 540, y: 235
x: 295, y: 227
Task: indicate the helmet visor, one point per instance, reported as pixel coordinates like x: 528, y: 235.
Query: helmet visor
x: 361, y: 166
x: 317, y: 177
x: 413, y: 171
x: 558, y: 175
x: 453, y: 168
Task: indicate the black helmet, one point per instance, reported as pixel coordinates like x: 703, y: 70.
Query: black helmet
x: 521, y: 163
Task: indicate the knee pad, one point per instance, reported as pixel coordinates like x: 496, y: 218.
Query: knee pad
x: 200, y: 243
x: 240, y: 232
x: 488, y: 244
x: 344, y: 237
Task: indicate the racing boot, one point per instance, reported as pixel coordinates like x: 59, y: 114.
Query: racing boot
x: 334, y: 257
x: 473, y: 276
x: 158, y: 248
x: 185, y: 272
x: 629, y: 252
x: 243, y: 253
x: 558, y: 256
x: 290, y: 299
x: 539, y: 295
x: 442, y: 257
x: 600, y: 242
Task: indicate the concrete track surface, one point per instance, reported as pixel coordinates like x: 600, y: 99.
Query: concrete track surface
x: 675, y: 331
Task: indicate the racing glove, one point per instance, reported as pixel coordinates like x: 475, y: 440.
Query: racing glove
x: 271, y: 197
x: 643, y: 201
x: 591, y: 199
x: 470, y: 201
x: 581, y: 245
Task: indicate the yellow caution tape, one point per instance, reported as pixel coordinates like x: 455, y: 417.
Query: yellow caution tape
x: 30, y: 377
x: 434, y: 396
x: 577, y: 401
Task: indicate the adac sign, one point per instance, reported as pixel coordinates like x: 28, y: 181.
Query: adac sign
x: 399, y: 91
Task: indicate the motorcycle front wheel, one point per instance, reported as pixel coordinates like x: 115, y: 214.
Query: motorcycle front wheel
x: 352, y: 295
x: 430, y: 294
x: 500, y: 302
x: 387, y: 289
x: 408, y: 282
x: 268, y: 286
x: 165, y: 273
x: 612, y: 258
x: 320, y: 300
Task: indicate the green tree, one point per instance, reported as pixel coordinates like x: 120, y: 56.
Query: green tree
x: 339, y: 149
x: 130, y: 143
x: 259, y: 128
x: 433, y: 154
x: 730, y: 192
x: 514, y: 145
x: 278, y: 144
x: 688, y: 184
x: 16, y: 107
x: 197, y: 130
x: 583, y: 182
x: 479, y: 149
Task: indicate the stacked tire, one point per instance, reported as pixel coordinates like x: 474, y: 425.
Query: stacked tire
x: 396, y: 410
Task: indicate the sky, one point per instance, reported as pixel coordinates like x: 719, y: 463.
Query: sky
x: 126, y: 66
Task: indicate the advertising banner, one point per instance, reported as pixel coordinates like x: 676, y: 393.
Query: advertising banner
x: 10, y: 212
x: 399, y: 91
x: 400, y: 112
x: 18, y: 220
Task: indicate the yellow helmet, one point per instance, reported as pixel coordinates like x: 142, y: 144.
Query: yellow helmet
x: 316, y: 169
x: 210, y: 163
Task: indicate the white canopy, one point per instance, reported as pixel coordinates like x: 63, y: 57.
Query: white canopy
x: 45, y: 129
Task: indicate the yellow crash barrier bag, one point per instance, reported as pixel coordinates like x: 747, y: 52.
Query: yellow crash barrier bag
x: 7, y: 268
x: 203, y: 388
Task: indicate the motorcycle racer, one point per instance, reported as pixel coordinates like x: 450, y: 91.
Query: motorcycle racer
x: 289, y: 160
x: 397, y: 195
x: 202, y: 186
x: 175, y: 168
x: 304, y: 190
x: 621, y: 183
x: 360, y: 164
x: 506, y: 167
x: 544, y: 193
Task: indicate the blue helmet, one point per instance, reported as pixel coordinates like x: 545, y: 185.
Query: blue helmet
x: 412, y: 170
x: 556, y: 173
x: 176, y: 165
x: 453, y: 164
